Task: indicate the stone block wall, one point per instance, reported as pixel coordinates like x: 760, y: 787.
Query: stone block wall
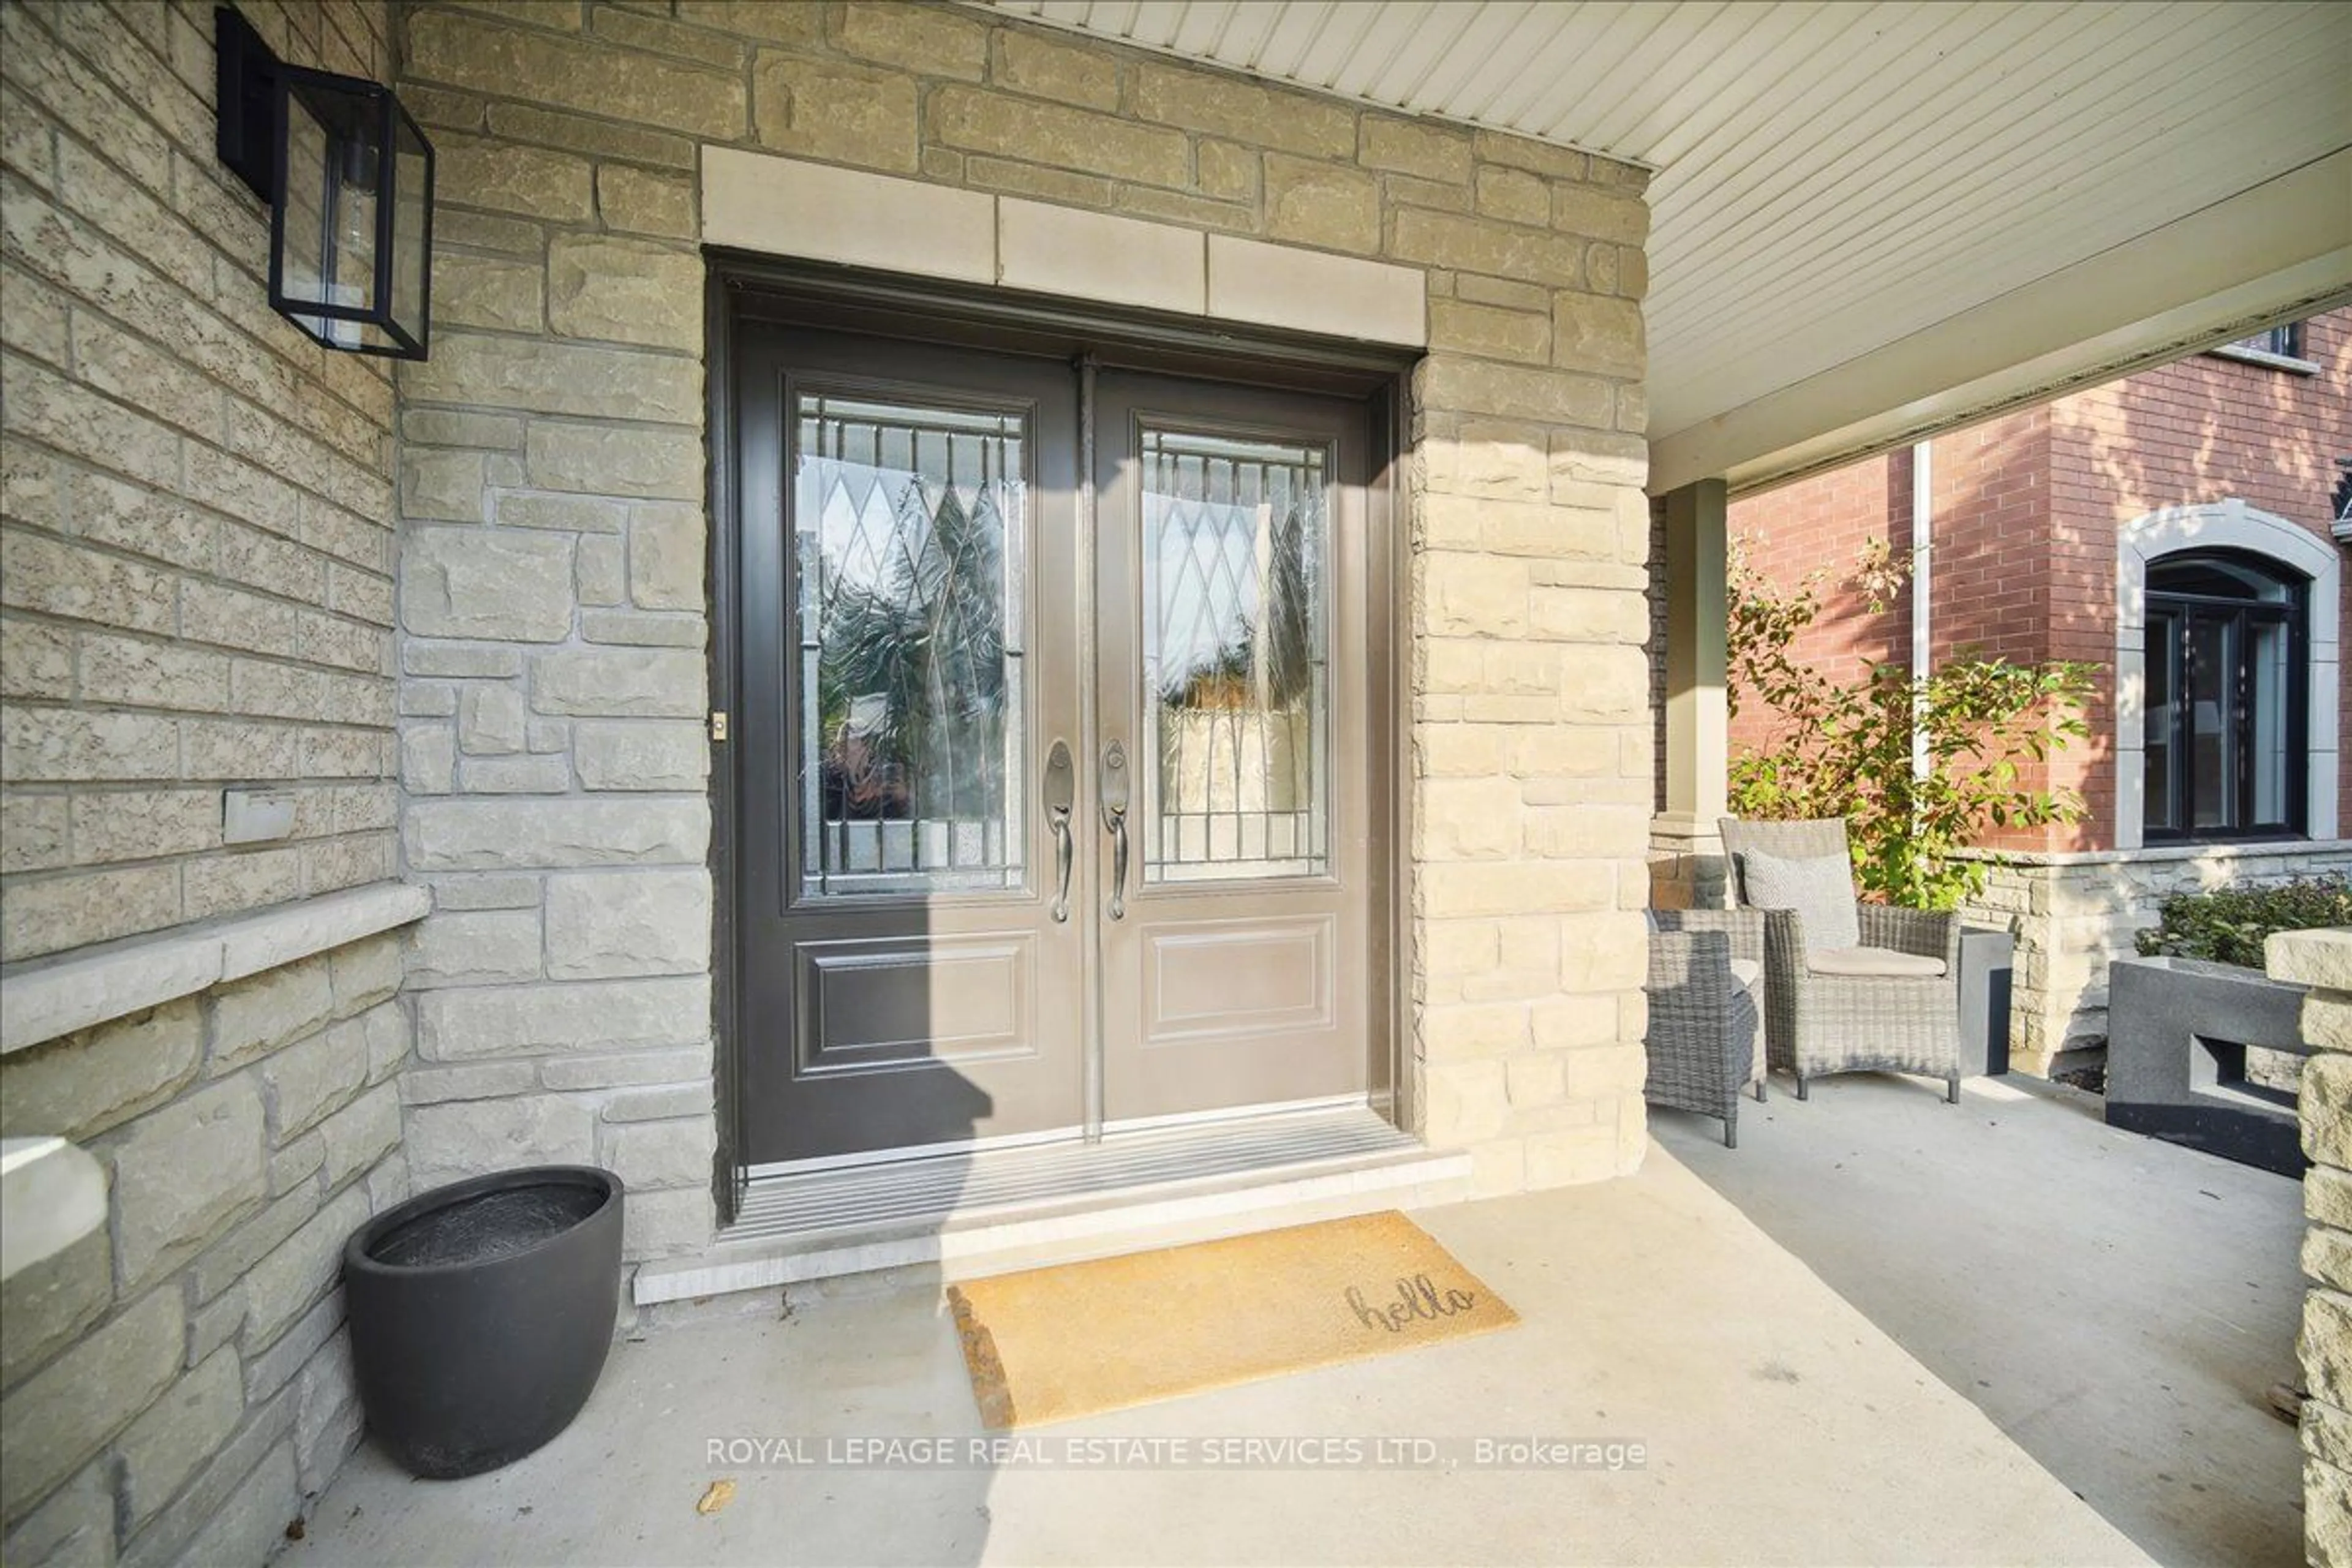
x: 174, y: 1386
x: 552, y: 597
x: 2322, y: 961
x: 2072, y: 914
x: 196, y: 591
x: 195, y: 541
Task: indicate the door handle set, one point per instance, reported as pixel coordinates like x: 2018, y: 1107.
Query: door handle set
x: 1061, y: 799
x: 1113, y: 787
x: 1061, y: 794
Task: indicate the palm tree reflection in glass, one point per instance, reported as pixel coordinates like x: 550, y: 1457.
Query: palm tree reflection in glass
x: 906, y: 587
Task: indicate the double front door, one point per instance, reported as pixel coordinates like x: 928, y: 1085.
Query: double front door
x: 1054, y: 803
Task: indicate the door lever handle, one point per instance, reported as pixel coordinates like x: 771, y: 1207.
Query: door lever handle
x: 1114, y: 792
x: 1061, y: 793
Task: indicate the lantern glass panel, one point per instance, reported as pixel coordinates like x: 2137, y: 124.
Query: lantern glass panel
x: 329, y: 205
x: 412, y: 229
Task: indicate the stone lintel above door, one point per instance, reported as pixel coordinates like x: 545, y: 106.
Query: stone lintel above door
x: 784, y: 206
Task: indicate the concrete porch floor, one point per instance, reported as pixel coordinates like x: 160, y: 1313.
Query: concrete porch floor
x: 2119, y: 1307
x: 1781, y: 1427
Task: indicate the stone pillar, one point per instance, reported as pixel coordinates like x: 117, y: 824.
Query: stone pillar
x: 1686, y: 851
x: 2322, y: 961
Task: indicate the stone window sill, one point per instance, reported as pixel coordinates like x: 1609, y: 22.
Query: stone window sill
x: 2287, y: 363
x: 44, y: 999
x: 2232, y: 850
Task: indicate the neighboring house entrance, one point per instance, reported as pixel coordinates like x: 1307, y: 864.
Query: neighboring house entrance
x: 1055, y: 792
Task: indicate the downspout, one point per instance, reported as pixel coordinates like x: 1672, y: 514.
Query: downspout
x: 1923, y: 511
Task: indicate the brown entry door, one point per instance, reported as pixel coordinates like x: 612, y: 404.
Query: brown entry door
x: 1231, y: 674
x: 1039, y: 826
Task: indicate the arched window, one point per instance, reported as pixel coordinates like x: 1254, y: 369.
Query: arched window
x: 2223, y: 556
x: 2227, y: 693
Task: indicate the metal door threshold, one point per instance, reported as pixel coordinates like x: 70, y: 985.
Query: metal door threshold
x: 1005, y: 1208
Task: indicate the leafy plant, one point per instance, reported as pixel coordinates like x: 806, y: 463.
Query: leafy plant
x: 1844, y: 749
x: 2227, y: 925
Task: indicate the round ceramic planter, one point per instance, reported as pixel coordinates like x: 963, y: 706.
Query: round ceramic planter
x: 481, y: 1313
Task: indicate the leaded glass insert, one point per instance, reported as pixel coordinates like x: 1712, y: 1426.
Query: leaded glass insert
x: 909, y: 546
x: 1236, y: 632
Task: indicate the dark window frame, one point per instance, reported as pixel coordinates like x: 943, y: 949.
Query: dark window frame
x: 2286, y: 340
x: 2279, y: 348
x: 2179, y: 613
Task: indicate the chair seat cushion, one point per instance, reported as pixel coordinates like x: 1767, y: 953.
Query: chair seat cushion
x: 1819, y: 889
x: 1874, y: 962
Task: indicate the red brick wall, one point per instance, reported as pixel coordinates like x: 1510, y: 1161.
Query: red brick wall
x: 2204, y: 429
x: 2027, y: 511
x: 1823, y: 522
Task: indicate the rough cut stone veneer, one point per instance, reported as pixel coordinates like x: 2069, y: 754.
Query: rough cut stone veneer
x: 553, y: 599
x: 196, y: 590
x: 2322, y: 961
x: 2073, y: 914
x: 195, y: 499
x: 173, y: 1385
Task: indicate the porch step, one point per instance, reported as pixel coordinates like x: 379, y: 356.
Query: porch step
x: 1018, y: 1208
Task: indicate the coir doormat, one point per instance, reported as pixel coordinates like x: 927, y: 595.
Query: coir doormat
x: 1053, y: 1343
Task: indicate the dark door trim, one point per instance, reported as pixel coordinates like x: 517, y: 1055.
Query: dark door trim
x: 726, y: 1174
x: 743, y: 287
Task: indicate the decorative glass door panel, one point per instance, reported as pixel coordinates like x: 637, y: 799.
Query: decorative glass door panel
x: 1236, y: 657
x: 1233, y: 575
x: 907, y: 658
x: 1053, y: 792
x: 909, y: 535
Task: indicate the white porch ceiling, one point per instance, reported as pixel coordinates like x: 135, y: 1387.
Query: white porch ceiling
x: 1872, y: 218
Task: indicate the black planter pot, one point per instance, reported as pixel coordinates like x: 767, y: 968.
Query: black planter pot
x: 481, y: 1313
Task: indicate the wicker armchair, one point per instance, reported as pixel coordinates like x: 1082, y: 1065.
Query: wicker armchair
x: 1703, y: 1041
x: 1817, y: 1023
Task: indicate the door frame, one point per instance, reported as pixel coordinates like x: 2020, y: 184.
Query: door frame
x: 743, y: 288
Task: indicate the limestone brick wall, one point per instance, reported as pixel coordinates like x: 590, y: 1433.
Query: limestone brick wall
x: 2322, y: 961
x: 2071, y: 914
x: 196, y: 591
x: 195, y: 540
x: 173, y: 1386
x: 553, y: 573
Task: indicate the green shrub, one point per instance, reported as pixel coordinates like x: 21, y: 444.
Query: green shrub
x: 2227, y: 925
x: 1845, y: 748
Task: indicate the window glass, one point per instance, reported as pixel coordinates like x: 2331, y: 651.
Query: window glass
x: 2285, y: 340
x: 2218, y: 577
x: 2212, y: 766
x: 2267, y: 689
x: 908, y: 521
x: 2224, y: 747
x: 1236, y: 590
x: 2163, y: 721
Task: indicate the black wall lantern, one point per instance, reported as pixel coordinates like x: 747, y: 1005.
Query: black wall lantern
x: 348, y: 178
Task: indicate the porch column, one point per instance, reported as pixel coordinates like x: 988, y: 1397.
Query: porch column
x: 2322, y: 961
x: 1687, y: 850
